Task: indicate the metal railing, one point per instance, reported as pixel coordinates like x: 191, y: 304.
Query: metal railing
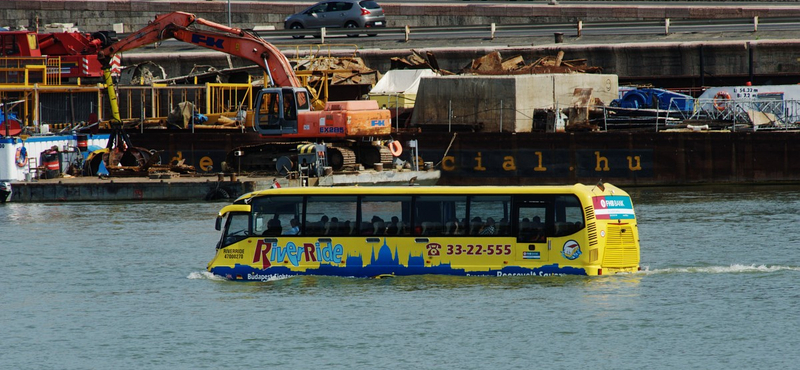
x: 665, y: 26
x: 26, y: 71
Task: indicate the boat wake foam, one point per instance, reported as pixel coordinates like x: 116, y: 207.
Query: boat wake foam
x: 204, y: 275
x: 732, y: 269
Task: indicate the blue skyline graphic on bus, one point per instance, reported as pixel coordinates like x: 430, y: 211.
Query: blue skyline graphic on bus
x: 387, y: 262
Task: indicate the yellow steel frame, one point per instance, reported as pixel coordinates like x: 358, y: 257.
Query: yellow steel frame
x: 213, y: 98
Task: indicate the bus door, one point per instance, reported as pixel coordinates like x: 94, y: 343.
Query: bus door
x: 533, y: 215
x: 566, y: 236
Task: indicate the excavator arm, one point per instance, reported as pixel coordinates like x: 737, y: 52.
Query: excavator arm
x: 286, y: 89
x: 233, y: 41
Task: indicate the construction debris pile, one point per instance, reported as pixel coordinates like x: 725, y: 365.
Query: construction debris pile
x: 343, y: 70
x: 150, y: 169
x: 417, y: 61
x: 494, y: 64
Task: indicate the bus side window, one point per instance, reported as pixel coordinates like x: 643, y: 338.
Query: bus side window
x: 489, y: 214
x: 568, y: 215
x: 385, y: 214
x: 437, y: 215
x: 532, y: 221
x: 272, y: 215
x: 330, y: 215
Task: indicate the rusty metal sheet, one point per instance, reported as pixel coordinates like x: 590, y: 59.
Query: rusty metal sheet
x: 369, y: 123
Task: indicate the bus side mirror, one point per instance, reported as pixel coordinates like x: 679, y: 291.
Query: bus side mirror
x: 218, y: 225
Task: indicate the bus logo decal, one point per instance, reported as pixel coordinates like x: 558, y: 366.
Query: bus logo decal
x: 530, y: 255
x: 613, y: 207
x: 571, y: 250
x: 261, y: 254
x: 268, y: 253
x: 433, y: 249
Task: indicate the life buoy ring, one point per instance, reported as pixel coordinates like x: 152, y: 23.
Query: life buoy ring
x: 721, y: 100
x: 396, y: 148
x: 21, y: 158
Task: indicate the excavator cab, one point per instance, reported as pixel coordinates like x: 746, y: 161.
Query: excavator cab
x: 278, y: 108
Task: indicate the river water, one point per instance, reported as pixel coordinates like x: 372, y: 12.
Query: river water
x: 123, y: 285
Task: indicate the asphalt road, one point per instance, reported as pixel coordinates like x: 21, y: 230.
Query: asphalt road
x: 474, y: 39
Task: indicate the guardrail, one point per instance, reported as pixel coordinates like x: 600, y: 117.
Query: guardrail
x: 668, y: 25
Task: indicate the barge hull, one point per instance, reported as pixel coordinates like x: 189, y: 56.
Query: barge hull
x: 625, y: 158
x: 632, y: 158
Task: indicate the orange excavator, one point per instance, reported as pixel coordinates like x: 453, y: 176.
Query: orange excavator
x: 283, y: 109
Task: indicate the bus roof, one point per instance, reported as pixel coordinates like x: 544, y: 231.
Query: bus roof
x: 440, y: 190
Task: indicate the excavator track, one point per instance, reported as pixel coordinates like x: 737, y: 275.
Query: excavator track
x: 261, y: 158
x: 370, y: 154
x: 339, y: 158
x: 386, y: 156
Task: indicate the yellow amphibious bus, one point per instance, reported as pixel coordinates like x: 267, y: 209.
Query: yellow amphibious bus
x: 468, y: 231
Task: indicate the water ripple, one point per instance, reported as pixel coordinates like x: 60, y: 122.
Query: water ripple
x: 732, y: 269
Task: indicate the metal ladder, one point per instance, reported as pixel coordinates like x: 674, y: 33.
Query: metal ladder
x: 33, y: 168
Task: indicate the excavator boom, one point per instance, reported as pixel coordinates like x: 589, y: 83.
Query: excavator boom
x: 282, y: 109
x: 233, y: 41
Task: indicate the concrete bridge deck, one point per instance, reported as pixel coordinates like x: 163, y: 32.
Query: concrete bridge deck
x: 94, y: 15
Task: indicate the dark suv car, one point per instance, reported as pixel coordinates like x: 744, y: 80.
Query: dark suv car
x: 338, y: 14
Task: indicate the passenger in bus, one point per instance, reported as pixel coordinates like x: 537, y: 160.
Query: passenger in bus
x: 401, y: 228
x: 451, y: 227
x: 379, y: 226
x: 332, y: 227
x: 475, y: 226
x: 316, y: 228
x: 273, y: 227
x: 367, y: 228
x: 537, y: 229
x: 502, y: 227
x: 394, y: 226
x: 294, y: 229
x: 525, y: 229
x: 489, y: 228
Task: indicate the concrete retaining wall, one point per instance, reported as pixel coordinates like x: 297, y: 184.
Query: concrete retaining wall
x: 94, y: 15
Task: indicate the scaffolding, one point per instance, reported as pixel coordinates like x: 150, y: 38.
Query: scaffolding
x: 66, y: 107
x: 760, y: 114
